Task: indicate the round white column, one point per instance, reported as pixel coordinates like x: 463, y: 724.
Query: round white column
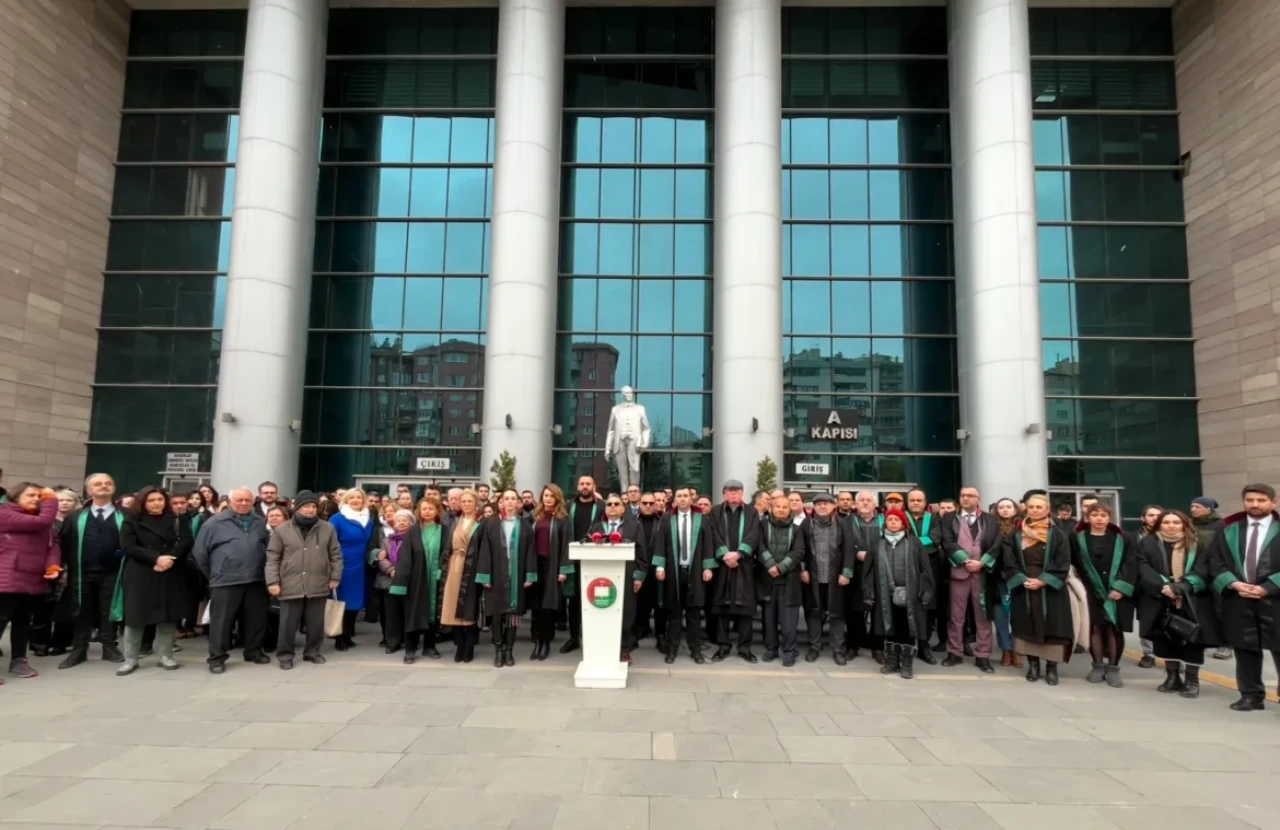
x: 519, y: 370
x: 264, y: 338
x: 997, y: 282
x: 747, y: 352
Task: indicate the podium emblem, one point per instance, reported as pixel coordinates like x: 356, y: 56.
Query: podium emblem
x: 602, y: 592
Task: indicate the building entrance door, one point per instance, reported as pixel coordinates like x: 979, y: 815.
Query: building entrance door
x: 1110, y: 496
x: 809, y: 489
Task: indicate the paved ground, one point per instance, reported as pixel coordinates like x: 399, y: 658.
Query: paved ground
x: 366, y: 742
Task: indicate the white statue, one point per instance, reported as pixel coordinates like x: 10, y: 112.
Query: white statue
x: 628, y: 435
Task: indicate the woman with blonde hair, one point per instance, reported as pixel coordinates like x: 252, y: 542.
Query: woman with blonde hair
x: 551, y: 545
x: 1037, y: 559
x: 354, y: 527
x: 460, y: 606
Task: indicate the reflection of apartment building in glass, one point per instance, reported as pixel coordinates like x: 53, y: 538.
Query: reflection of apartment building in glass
x: 1061, y: 418
x: 591, y: 369
x: 871, y: 385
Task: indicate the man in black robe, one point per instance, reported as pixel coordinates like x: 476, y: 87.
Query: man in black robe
x: 735, y: 528
x: 828, y: 575
x: 651, y: 536
x: 1244, y: 561
x: 864, y: 527
x: 683, y: 569
x: 779, y: 563
x: 921, y: 524
x: 618, y: 519
x: 583, y: 513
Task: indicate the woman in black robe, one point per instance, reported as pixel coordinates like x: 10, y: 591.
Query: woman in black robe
x: 156, y: 544
x: 551, y: 535
x: 897, y: 587
x: 415, y: 590
x: 1108, y: 566
x: 1173, y: 575
x: 505, y: 571
x: 1037, y: 559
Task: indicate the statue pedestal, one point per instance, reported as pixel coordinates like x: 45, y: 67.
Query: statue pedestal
x: 603, y: 577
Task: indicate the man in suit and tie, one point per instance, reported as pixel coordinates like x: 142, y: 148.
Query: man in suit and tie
x: 971, y: 545
x: 268, y: 493
x: 1244, y: 562
x: 618, y: 519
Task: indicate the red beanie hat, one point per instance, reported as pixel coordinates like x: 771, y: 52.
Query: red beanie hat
x: 902, y: 517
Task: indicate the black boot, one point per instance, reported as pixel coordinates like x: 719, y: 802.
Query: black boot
x: 1192, y: 687
x: 925, y: 654
x: 499, y: 654
x: 1051, y: 673
x: 905, y: 658
x: 509, y: 653
x: 891, y: 664
x: 1172, y: 679
x: 1033, y: 669
x: 74, y: 658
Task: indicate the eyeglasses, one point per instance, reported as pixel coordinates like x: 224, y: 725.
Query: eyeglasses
x: 646, y: 504
x: 613, y: 504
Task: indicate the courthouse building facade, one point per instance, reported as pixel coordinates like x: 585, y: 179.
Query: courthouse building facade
x: 326, y: 242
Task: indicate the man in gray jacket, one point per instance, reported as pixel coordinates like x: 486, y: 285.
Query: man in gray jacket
x: 231, y: 551
x: 304, y: 563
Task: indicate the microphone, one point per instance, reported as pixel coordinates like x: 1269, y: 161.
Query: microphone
x: 598, y: 538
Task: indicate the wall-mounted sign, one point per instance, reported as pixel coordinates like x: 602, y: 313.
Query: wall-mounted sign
x: 808, y: 468
x: 833, y: 424
x: 182, y: 462
x: 432, y: 465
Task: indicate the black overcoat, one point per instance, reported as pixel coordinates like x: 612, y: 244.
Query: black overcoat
x: 153, y: 597
x: 1154, y: 572
x: 1247, y: 623
x: 1046, y: 613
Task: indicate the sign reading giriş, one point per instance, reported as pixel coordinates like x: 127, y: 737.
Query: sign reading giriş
x: 602, y: 592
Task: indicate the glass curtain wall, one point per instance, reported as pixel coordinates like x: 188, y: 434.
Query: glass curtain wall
x: 1114, y: 296
x: 168, y: 247
x: 868, y: 270
x: 395, y: 358
x: 635, y: 250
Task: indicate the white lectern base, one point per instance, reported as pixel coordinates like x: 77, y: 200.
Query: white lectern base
x: 600, y: 677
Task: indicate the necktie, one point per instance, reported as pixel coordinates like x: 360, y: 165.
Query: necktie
x: 684, y: 539
x: 613, y: 527
x: 1251, y: 553
x: 102, y: 514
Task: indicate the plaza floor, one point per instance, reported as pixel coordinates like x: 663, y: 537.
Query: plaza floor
x: 367, y: 742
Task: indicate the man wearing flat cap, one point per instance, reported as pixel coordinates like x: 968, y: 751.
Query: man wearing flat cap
x: 830, y: 559
x: 735, y: 530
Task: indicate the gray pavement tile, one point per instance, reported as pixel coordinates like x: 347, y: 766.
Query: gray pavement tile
x: 434, y: 695
x: 390, y: 676
x: 700, y: 747
x: 207, y: 806
x: 18, y: 792
x: 739, y: 702
x: 953, y: 815
x: 789, y: 723
x: 301, y: 693
x: 963, y: 752
x: 804, y: 687
x: 331, y: 769
x: 958, y: 726
x: 824, y: 749
x: 15, y: 755
x: 251, y: 767
x: 709, y: 814
x: 974, y: 707
x: 165, y: 763
x: 876, y: 815
x: 1045, y: 728
x: 1041, y: 785
x: 744, y: 682
x: 879, y: 783
x: 160, y: 732
x: 913, y: 750
x: 366, y: 737
x: 730, y: 723
x: 1203, y: 789
x: 756, y: 748
x: 1182, y: 818
x: 1255, y: 817
x: 652, y: 778
x: 496, y: 811
x: 342, y: 809
x: 48, y: 705
x: 606, y: 720
x: 1072, y: 754
x: 577, y: 812
x: 1213, y: 757
x: 1050, y: 816
x: 613, y: 699
x: 575, y: 744
x: 799, y: 814
x: 823, y: 725
x: 764, y: 780
x: 872, y: 726
x: 518, y: 717
x: 331, y: 712
x: 521, y: 775
x: 438, y: 675
x: 663, y: 681
x: 73, y: 761
x: 456, y: 740
x: 279, y: 736
x: 454, y: 772
x: 410, y: 714
x: 814, y: 704
x: 109, y: 802
x: 55, y: 728
x: 896, y: 706
x: 272, y: 807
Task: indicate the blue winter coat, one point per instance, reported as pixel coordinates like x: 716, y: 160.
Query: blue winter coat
x: 354, y: 540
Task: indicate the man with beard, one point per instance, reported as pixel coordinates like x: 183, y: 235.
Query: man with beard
x: 864, y: 526
x: 1244, y: 561
x: 735, y: 530
x: 971, y: 542
x: 828, y: 573
x: 1207, y: 522
x: 632, y: 500
x: 618, y: 519
x: 683, y: 570
x: 583, y: 513
x: 650, y: 538
x: 528, y: 504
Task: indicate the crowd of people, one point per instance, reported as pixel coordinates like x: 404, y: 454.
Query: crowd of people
x: 903, y: 580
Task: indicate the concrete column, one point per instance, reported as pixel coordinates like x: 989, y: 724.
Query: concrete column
x: 264, y: 339
x: 519, y: 370
x: 747, y: 353
x: 997, y: 283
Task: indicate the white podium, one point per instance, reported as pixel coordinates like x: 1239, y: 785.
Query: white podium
x: 602, y: 572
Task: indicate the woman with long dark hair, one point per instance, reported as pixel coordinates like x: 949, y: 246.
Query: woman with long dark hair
x: 551, y: 545
x: 1105, y: 561
x: 1007, y: 512
x: 414, y: 597
x: 1173, y: 573
x: 156, y: 544
x: 30, y: 561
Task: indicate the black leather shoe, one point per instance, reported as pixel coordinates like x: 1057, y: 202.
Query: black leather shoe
x: 789, y: 661
x: 1147, y: 661
x: 812, y: 655
x: 217, y: 668
x: 840, y: 659
x: 669, y: 658
x: 926, y: 657
x: 112, y: 654
x: 699, y: 658
x: 431, y: 652
x: 770, y: 656
x: 508, y: 656
x: 1033, y: 669
x: 984, y: 665
x: 878, y: 655
x: 318, y: 659
x: 499, y: 656
x: 1051, y: 673
x: 75, y: 658
x: 940, y: 647
x: 340, y: 644
x: 721, y: 653
x: 750, y: 657
x: 1249, y: 704
x: 258, y: 660
x: 571, y: 645
x: 952, y: 660
x: 286, y: 664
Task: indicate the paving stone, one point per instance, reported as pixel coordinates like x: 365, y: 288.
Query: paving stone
x: 922, y: 784
x: 331, y: 769
x: 518, y: 717
x: 1050, y: 817
x: 1203, y: 789
x: 709, y: 814
x: 876, y: 815
x: 366, y: 737
x: 764, y: 780
x: 409, y: 714
x: 165, y: 763
x: 496, y: 811
x: 207, y: 806
x: 652, y: 778
x: 1036, y: 785
x: 331, y: 712
x: 279, y: 736
x: 341, y: 809
x: 812, y: 704
x: 454, y: 740
x: 789, y: 723
x: 576, y: 812
x: 109, y: 802
x: 73, y: 761
x: 739, y: 702
x: 272, y: 806
x: 730, y: 723
x: 701, y: 747
x: 18, y: 754
x: 951, y: 815
x: 870, y: 726
x: 840, y: 750
x: 957, y: 726
x: 158, y: 732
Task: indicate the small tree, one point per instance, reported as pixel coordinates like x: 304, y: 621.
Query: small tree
x: 504, y: 473
x: 767, y: 474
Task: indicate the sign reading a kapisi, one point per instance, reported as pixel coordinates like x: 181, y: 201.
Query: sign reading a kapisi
x: 833, y: 424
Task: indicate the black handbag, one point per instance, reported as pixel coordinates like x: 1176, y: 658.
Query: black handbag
x: 1180, y: 624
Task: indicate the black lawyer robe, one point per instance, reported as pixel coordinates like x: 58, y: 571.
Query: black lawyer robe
x: 1250, y: 624
x: 1116, y: 569
x: 844, y: 563
x: 419, y: 579
x: 781, y: 546
x: 629, y: 529
x: 1155, y: 571
x: 152, y: 597
x: 546, y: 592
x: 1044, y: 614
x: 734, y: 530
x: 468, y: 604
x: 503, y: 569
x: 683, y: 587
x: 877, y: 587
x: 990, y: 542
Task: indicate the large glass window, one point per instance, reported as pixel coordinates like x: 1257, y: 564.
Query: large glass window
x: 868, y: 297
x: 635, y: 248
x: 399, y: 300
x: 168, y: 245
x: 1114, y: 297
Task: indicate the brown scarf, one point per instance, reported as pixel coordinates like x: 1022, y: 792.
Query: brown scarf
x: 1178, y: 559
x: 1035, y: 532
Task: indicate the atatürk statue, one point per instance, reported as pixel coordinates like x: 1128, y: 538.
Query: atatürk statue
x: 628, y: 435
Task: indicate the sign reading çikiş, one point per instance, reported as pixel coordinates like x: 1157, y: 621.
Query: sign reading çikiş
x: 432, y: 464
